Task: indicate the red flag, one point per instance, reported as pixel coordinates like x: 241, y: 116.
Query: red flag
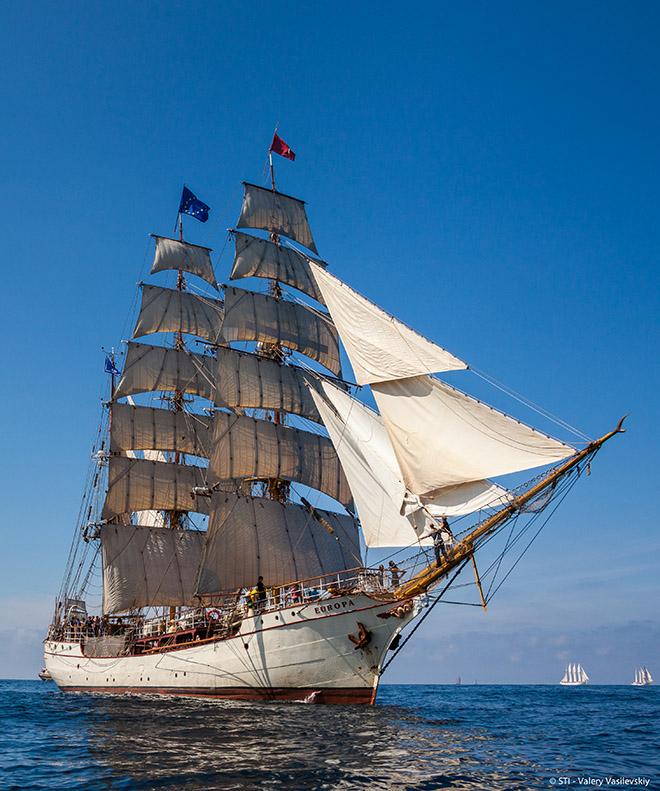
x: 280, y: 147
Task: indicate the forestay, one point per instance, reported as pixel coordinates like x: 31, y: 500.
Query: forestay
x: 172, y: 254
x: 443, y: 437
x: 374, y: 477
x: 249, y: 537
x: 170, y: 310
x: 150, y: 368
x: 275, y: 212
x: 247, y: 381
x: 257, y: 317
x: 379, y: 346
x: 149, y: 566
x: 141, y: 485
x: 145, y: 428
x: 244, y: 447
x: 257, y: 257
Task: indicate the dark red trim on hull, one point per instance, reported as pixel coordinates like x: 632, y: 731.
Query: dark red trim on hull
x: 343, y: 695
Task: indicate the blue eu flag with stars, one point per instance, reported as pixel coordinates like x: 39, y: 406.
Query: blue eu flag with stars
x: 192, y: 205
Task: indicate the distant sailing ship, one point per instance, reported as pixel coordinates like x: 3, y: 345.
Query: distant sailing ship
x: 575, y: 676
x: 209, y: 465
x: 643, y: 677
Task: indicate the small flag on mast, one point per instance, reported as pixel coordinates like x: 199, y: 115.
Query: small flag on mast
x: 280, y: 147
x: 110, y: 367
x: 192, y: 205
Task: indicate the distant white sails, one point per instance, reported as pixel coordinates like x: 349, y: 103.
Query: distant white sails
x: 379, y: 346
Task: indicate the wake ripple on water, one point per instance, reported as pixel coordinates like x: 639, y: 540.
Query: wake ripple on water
x: 417, y: 737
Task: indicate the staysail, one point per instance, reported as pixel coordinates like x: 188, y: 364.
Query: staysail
x: 149, y: 566
x: 257, y: 257
x: 373, y: 473
x: 277, y: 213
x: 249, y: 537
x: 173, y: 254
x: 443, y: 437
x: 250, y: 316
x: 171, y: 310
x: 379, y: 346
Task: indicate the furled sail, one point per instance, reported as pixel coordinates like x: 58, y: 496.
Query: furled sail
x: 150, y: 368
x: 257, y: 257
x: 257, y: 317
x: 443, y: 437
x: 149, y: 566
x: 172, y: 254
x: 244, y: 447
x: 249, y: 537
x: 169, y: 310
x: 145, y: 428
x: 275, y: 212
x: 247, y: 381
x: 142, y: 485
x: 375, y: 479
x: 379, y: 346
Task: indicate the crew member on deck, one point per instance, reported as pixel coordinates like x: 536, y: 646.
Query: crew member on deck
x: 261, y: 593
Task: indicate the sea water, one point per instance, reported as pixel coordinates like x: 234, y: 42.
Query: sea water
x: 416, y: 737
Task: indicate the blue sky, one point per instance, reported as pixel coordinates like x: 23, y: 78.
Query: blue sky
x: 486, y: 171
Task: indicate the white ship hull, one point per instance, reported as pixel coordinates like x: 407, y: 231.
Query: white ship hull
x: 573, y: 683
x: 302, y: 652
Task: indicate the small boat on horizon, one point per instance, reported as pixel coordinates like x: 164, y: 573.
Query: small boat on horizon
x: 643, y: 678
x: 575, y: 676
x: 44, y: 675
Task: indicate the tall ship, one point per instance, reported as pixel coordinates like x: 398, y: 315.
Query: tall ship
x: 575, y: 676
x: 243, y: 473
x: 643, y: 677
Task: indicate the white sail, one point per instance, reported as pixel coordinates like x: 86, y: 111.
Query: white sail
x: 257, y: 317
x: 379, y: 346
x: 565, y: 679
x: 151, y: 368
x: 647, y: 676
x: 149, y: 566
x: 244, y: 447
x: 145, y: 428
x: 373, y: 474
x: 173, y: 254
x: 443, y: 437
x: 275, y: 212
x: 248, y: 381
x: 249, y: 537
x: 257, y: 257
x: 582, y: 676
x: 170, y: 310
x: 140, y: 484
